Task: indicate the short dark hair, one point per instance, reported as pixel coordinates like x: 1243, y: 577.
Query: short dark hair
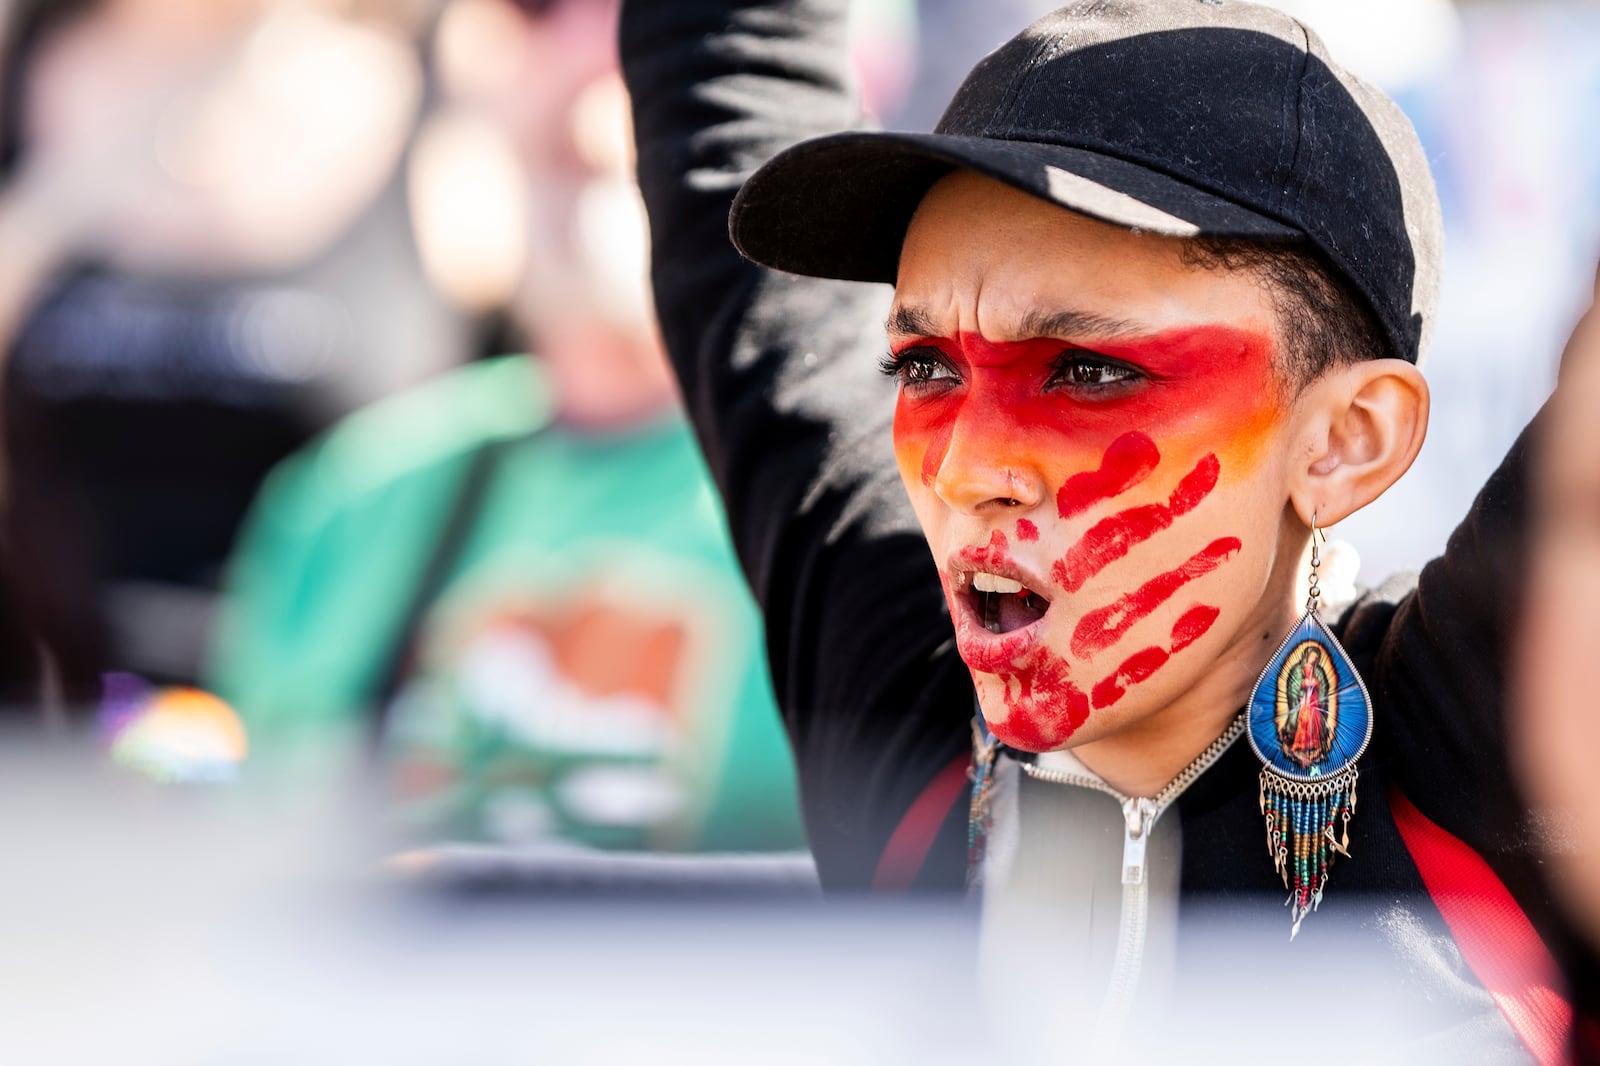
x: 1323, y: 322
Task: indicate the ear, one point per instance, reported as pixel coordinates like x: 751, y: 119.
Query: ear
x: 1361, y: 426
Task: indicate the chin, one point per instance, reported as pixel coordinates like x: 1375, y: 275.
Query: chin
x: 1037, y: 710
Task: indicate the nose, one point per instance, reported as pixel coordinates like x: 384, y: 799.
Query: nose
x: 985, y: 468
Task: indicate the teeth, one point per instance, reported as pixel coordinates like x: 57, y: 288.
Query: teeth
x: 994, y: 583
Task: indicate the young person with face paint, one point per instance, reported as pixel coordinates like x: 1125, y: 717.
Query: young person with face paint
x: 1161, y: 279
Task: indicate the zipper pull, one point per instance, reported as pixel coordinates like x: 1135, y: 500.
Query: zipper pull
x: 1138, y: 814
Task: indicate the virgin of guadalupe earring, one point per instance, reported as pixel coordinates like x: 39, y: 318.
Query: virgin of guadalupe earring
x: 1310, y: 720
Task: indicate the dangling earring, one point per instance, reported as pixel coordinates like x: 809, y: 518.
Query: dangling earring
x: 1310, y: 720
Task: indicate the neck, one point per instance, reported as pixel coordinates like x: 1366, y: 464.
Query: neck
x: 1140, y: 759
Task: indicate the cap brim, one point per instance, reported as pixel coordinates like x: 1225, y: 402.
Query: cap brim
x: 838, y: 206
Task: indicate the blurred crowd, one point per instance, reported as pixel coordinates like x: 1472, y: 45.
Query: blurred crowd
x: 336, y: 431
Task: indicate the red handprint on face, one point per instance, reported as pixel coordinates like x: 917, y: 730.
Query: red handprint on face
x: 1130, y: 459
x: 1111, y: 538
x: 1104, y: 626
x: 1044, y: 705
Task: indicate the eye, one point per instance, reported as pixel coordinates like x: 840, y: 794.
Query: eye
x: 1092, y: 373
x: 920, y: 369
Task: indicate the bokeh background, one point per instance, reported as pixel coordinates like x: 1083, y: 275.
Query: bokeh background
x: 358, y: 580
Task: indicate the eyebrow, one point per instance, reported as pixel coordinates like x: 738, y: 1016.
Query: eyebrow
x: 914, y: 321
x: 1077, y: 324
x: 910, y: 322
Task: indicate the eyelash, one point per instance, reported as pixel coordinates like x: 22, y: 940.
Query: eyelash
x: 914, y: 368
x: 1077, y: 359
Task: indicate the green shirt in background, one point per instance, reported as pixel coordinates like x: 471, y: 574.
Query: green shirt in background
x: 592, y: 665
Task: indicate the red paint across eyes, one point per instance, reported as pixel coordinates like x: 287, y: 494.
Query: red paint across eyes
x: 1203, y: 383
x: 1109, y: 539
x: 1104, y: 626
x: 1184, y: 372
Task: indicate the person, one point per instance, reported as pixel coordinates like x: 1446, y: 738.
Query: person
x: 1305, y: 726
x: 183, y: 309
x: 512, y: 584
x: 1162, y: 277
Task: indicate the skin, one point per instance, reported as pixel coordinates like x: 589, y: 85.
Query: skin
x: 546, y: 96
x: 1082, y: 411
x: 1558, y: 729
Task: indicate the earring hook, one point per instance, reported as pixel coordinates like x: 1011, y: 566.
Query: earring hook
x: 1315, y: 590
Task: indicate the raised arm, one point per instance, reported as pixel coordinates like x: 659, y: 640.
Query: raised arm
x: 780, y: 377
x: 1442, y: 671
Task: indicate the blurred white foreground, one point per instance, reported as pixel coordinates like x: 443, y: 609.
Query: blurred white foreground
x: 175, y: 926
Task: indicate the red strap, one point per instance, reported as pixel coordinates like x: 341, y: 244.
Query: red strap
x: 913, y: 838
x: 1495, y: 937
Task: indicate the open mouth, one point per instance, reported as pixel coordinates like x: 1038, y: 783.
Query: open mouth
x: 1004, y: 604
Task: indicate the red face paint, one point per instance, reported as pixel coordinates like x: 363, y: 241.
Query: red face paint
x: 1128, y: 461
x: 1192, y: 626
x: 1212, y: 386
x: 1109, y: 539
x: 1141, y: 665
x: 1026, y: 530
x: 938, y: 445
x: 992, y: 555
x: 1104, y: 626
x: 1043, y: 707
x: 1138, y: 667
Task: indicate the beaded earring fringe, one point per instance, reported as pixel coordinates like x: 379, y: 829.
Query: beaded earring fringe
x: 1302, y: 819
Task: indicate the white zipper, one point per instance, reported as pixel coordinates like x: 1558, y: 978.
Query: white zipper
x: 1139, y: 815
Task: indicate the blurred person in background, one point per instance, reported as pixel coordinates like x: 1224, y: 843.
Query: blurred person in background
x: 517, y: 576
x: 208, y: 246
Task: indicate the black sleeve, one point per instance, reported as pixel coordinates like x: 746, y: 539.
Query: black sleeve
x: 780, y: 377
x: 1440, y: 685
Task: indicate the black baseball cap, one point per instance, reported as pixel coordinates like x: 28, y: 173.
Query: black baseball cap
x: 1185, y: 118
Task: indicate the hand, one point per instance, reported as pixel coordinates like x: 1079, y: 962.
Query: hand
x: 1558, y: 655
